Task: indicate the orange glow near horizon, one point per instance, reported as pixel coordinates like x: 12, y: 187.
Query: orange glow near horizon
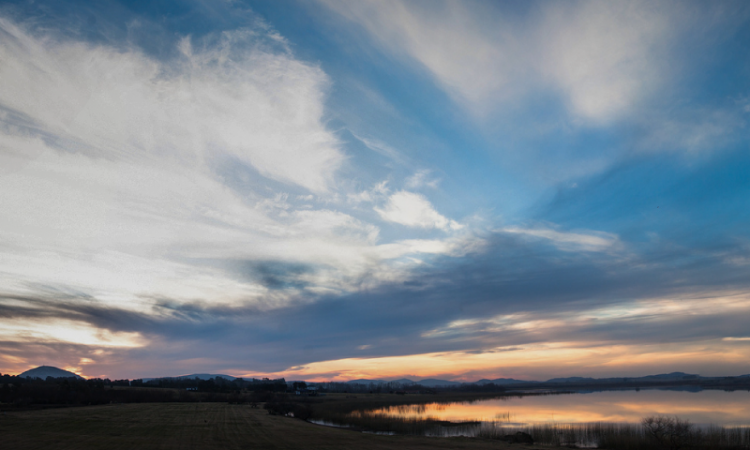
x: 528, y: 362
x: 102, y: 351
x: 558, y: 359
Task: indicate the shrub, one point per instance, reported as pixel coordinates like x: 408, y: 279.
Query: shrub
x: 669, y: 432
x: 292, y: 409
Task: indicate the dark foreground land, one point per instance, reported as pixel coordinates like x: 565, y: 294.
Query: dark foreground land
x: 167, y: 426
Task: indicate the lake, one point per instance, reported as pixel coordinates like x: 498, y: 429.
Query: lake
x: 722, y: 408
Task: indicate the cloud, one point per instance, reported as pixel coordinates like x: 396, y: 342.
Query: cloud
x: 744, y: 103
x: 58, y: 330
x: 382, y: 148
x: 115, y: 163
x: 692, y: 132
x: 437, y: 37
x: 142, y: 196
x: 228, y: 93
x: 421, y: 179
x: 514, y: 293
x: 604, y: 57
x: 164, y: 211
x: 533, y: 362
x: 591, y: 241
x: 115, y: 167
x: 601, y: 59
x: 414, y: 210
x: 561, y: 93
x: 376, y: 193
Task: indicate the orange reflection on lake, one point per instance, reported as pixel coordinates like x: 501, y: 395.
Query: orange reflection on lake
x: 704, y: 407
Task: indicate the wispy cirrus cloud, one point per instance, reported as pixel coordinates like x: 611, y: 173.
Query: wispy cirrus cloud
x: 600, y: 58
x: 230, y: 95
x: 568, y: 241
x: 206, y: 177
x: 550, y: 85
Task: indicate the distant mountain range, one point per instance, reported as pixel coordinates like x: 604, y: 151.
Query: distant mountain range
x: 48, y: 371
x: 427, y: 382
x: 504, y: 381
x: 432, y: 382
x: 200, y: 376
x: 665, y: 377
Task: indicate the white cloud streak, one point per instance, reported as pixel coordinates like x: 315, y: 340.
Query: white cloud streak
x: 422, y: 179
x: 699, y: 132
x: 229, y: 95
x: 601, y: 58
x: 112, y: 183
x: 414, y: 210
x: 567, y: 241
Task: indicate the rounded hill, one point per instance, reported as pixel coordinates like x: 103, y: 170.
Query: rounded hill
x: 48, y: 371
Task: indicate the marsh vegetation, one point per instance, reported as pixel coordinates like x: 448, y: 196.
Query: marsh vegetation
x: 412, y: 416
x: 671, y: 433
x: 615, y: 436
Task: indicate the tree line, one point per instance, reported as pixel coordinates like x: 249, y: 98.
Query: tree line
x: 21, y: 392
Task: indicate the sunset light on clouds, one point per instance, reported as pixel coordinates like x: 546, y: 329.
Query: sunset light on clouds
x: 333, y: 190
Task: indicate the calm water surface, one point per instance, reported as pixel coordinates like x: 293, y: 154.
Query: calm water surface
x: 704, y: 407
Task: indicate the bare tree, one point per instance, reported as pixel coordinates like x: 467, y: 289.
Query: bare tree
x: 669, y: 432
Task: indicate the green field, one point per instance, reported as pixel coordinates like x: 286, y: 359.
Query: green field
x: 195, y: 426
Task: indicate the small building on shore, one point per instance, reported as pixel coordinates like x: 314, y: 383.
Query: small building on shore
x: 311, y: 391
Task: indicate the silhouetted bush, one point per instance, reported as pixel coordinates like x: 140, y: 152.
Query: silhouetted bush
x: 292, y: 409
x: 669, y: 432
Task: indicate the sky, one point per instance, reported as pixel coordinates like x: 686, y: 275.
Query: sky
x: 333, y: 190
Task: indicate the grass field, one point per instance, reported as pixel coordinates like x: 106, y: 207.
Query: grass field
x: 169, y: 426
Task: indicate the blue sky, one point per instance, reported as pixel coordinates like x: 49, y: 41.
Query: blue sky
x: 334, y: 190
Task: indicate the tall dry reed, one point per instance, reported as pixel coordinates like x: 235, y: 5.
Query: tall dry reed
x: 615, y: 436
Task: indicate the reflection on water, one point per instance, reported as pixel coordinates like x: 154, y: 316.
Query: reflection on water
x: 703, y: 407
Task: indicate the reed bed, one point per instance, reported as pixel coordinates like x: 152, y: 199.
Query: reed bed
x: 366, y: 413
x: 613, y: 436
x: 588, y: 435
x: 622, y: 436
x: 385, y: 424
